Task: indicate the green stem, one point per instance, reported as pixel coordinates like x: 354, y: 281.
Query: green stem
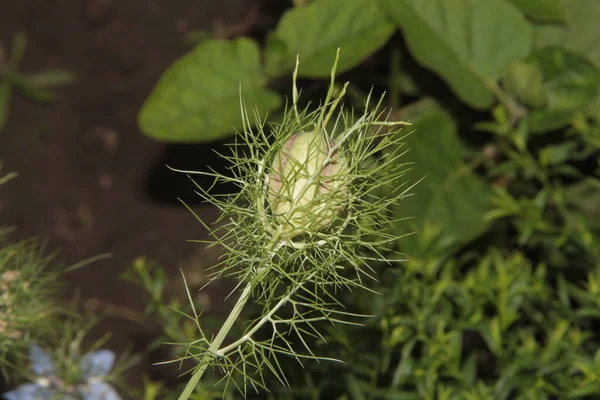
x: 233, y: 316
x: 267, y: 317
x: 217, y: 341
x: 515, y: 111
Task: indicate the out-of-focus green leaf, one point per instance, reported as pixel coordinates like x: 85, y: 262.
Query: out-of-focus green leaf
x: 353, y: 388
x: 585, y: 195
x: 589, y: 389
x: 51, y: 78
x: 28, y: 89
x: 579, y: 34
x: 407, y: 84
x: 569, y: 84
x: 558, y: 154
x: 317, y: 30
x: 593, y: 109
x: 198, y: 98
x: 18, y: 50
x: 4, y: 102
x: 469, y: 43
x: 450, y: 197
x: 543, y: 10
x: 399, y: 395
x: 526, y: 81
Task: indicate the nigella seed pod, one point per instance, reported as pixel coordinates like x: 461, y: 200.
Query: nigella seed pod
x: 307, y: 184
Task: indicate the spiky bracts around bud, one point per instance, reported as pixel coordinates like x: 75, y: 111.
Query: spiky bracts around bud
x: 310, y: 217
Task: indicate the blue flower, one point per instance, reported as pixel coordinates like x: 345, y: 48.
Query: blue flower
x: 48, y: 386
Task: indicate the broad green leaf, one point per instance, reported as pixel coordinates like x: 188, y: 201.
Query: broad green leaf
x: 198, y: 98
x: 4, y: 102
x: 470, y: 43
x: 317, y: 30
x: 450, y: 197
x: 543, y: 10
x: 581, y: 33
x: 569, y: 84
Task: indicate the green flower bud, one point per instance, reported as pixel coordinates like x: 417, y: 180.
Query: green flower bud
x: 307, y: 184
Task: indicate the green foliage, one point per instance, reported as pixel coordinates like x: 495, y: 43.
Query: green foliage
x: 150, y: 277
x: 198, y: 97
x: 36, y: 86
x: 449, y: 202
x: 179, y: 326
x: 317, y: 30
x: 463, y: 41
x: 579, y: 34
x: 5, y: 178
x: 543, y: 10
x: 557, y: 84
x: 469, y: 328
x: 28, y: 304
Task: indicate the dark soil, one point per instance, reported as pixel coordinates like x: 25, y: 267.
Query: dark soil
x: 89, y: 181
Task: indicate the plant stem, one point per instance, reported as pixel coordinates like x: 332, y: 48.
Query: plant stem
x: 515, y: 110
x: 233, y: 316
x: 217, y: 341
x: 267, y: 317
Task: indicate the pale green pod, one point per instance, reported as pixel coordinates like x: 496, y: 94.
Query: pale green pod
x: 306, y: 189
